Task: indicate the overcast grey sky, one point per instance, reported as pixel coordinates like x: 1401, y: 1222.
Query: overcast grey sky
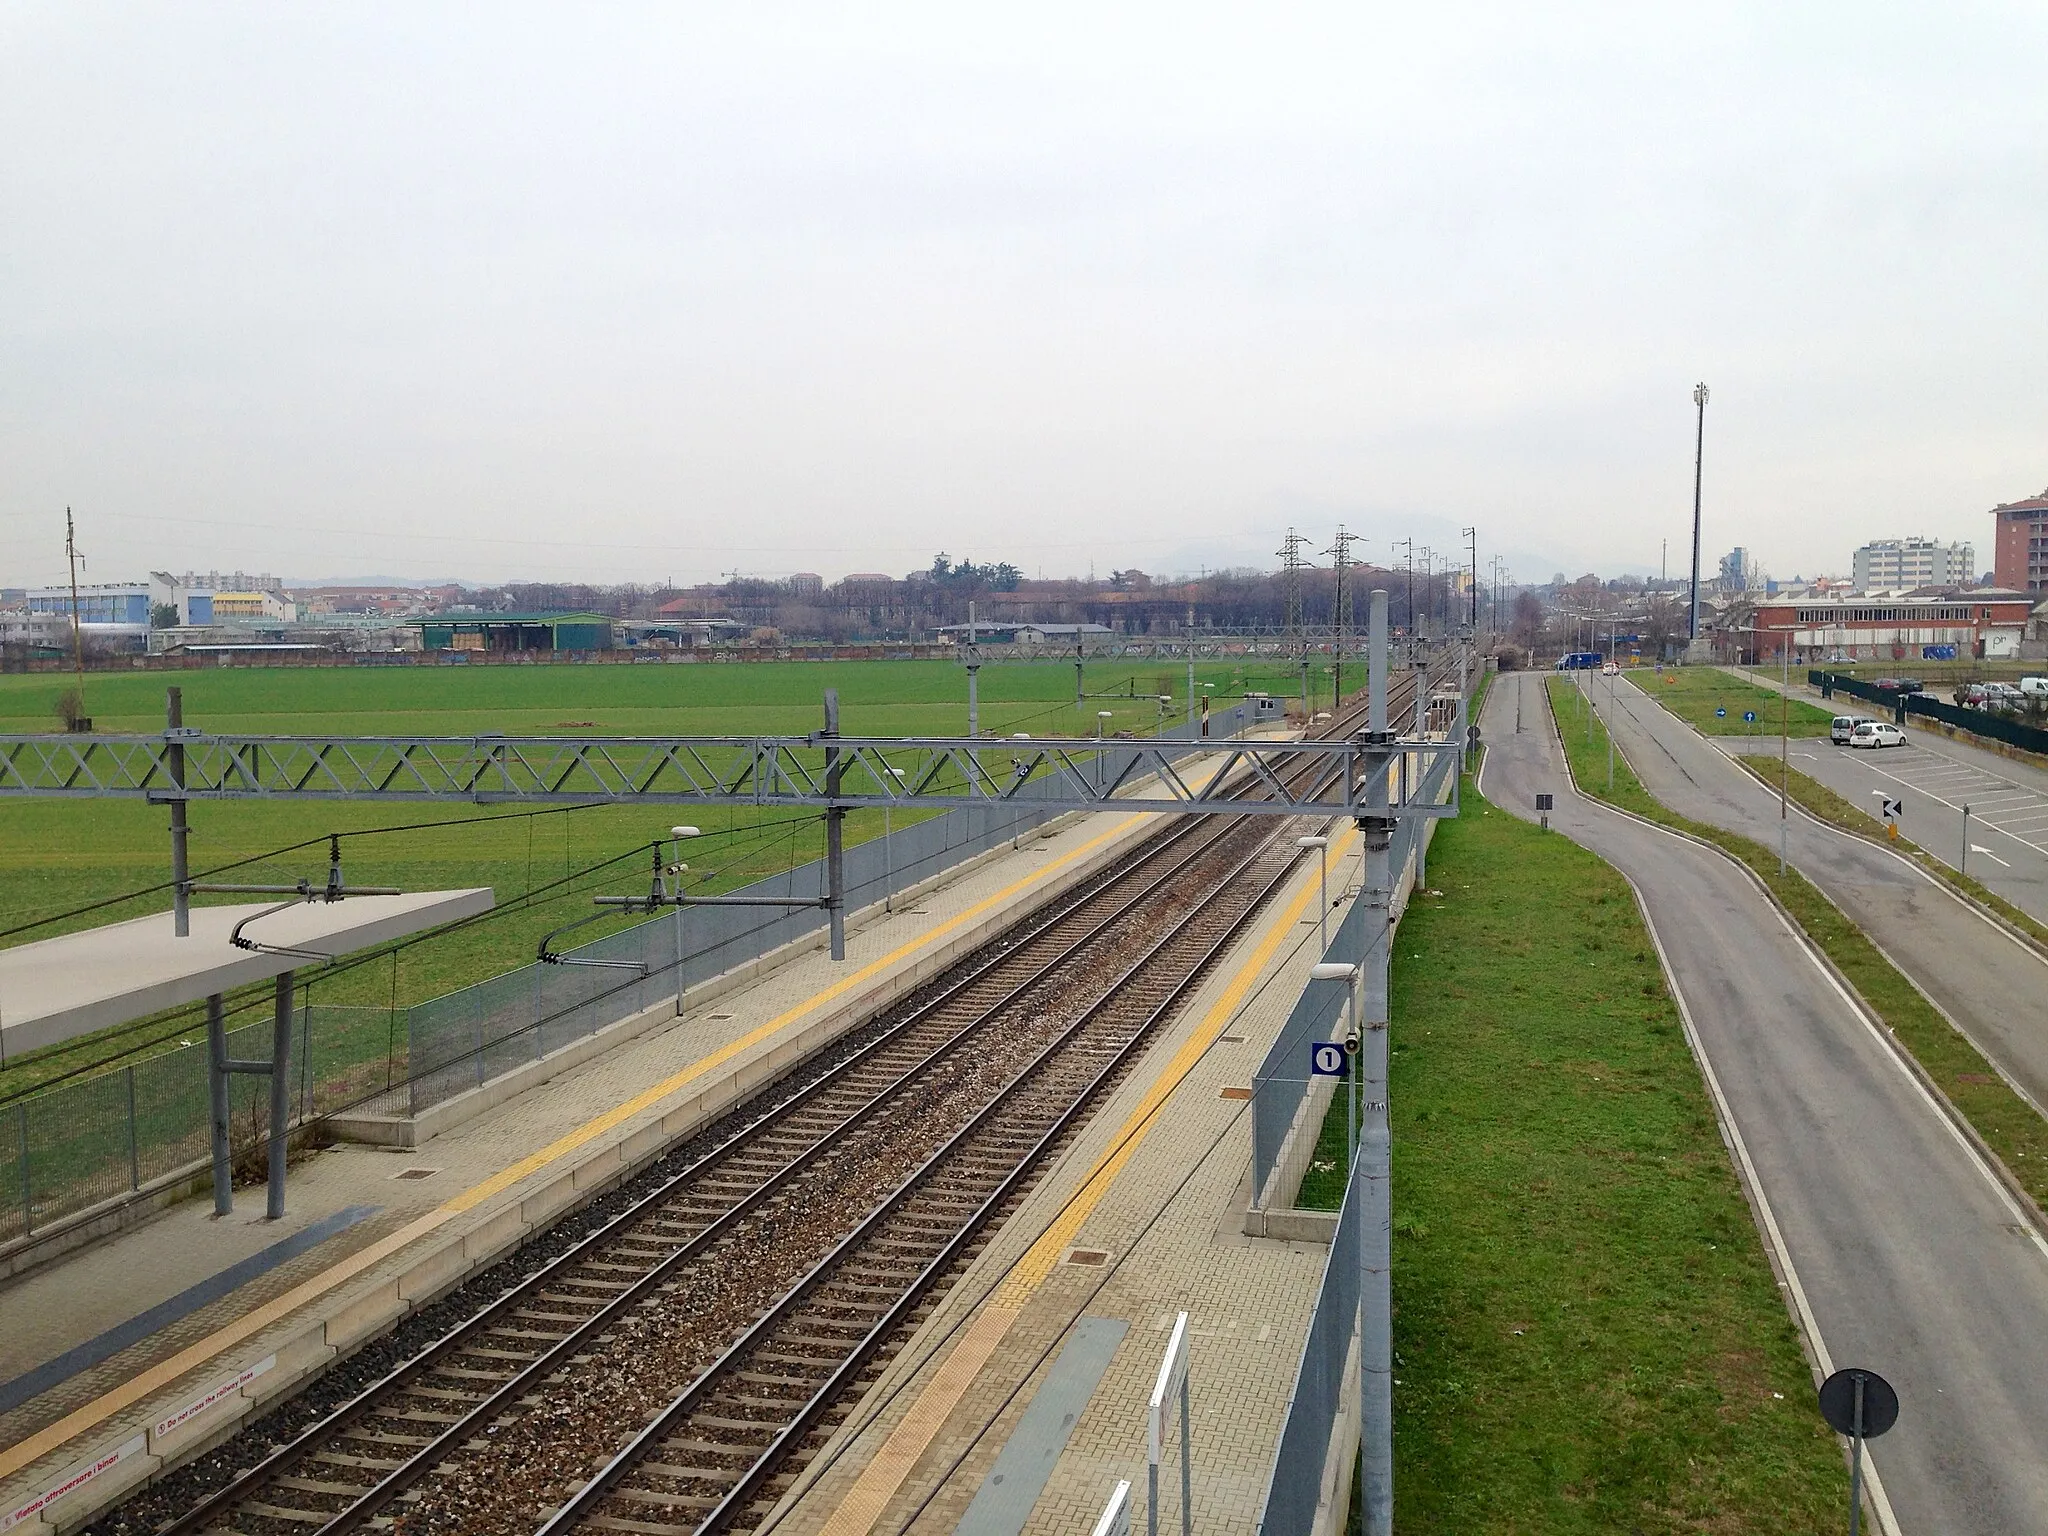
x: 607, y: 293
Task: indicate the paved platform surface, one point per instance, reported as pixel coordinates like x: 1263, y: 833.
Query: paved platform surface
x: 460, y: 1194
x: 1900, y: 1249
x: 1141, y: 1218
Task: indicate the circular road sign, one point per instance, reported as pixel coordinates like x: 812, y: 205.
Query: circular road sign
x: 1838, y: 1402
x: 1720, y: 713
x: 1749, y: 716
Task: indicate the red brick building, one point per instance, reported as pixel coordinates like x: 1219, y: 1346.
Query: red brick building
x: 2020, y: 545
x: 1984, y: 622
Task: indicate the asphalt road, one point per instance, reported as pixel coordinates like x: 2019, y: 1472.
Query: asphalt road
x: 1936, y: 778
x: 1902, y: 1251
x: 1992, y: 986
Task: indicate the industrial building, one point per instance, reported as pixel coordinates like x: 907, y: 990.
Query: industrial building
x: 1912, y: 562
x: 1983, y: 624
x: 510, y: 632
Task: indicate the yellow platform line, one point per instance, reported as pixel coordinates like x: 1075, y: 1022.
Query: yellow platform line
x: 162, y: 1374
x: 883, y: 1476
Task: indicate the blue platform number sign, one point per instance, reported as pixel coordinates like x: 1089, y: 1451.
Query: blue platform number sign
x: 1327, y: 1058
x: 1749, y: 717
x: 1720, y: 713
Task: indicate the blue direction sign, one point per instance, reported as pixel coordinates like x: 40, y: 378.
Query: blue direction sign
x: 1327, y: 1058
x: 1720, y: 713
x: 1749, y: 716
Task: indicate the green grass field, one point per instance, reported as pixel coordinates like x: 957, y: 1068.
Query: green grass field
x: 57, y: 855
x: 2007, y: 1122
x: 1694, y: 693
x: 1588, y: 1336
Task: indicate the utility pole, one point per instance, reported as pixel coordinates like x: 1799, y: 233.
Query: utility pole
x: 77, y: 634
x: 1291, y: 565
x: 1408, y: 563
x: 1472, y: 538
x: 1699, y: 398
x: 1340, y: 551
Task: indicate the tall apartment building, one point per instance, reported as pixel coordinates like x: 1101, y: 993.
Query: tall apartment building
x: 1740, y: 571
x: 2020, y: 546
x: 1913, y: 563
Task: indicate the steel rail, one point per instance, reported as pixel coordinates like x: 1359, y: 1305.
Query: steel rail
x: 607, y: 1479
x: 452, y: 1343
x: 394, y: 1384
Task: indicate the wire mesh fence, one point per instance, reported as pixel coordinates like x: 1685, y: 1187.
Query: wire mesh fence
x: 1283, y: 1079
x: 91, y: 1139
x: 1295, y: 1487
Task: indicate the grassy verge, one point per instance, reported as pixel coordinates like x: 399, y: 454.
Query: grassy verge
x: 2008, y: 1125
x: 1694, y: 693
x: 1588, y: 1336
x: 1832, y: 808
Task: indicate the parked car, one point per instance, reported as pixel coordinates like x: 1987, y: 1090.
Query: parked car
x: 1840, y: 727
x: 2034, y: 687
x: 1876, y: 733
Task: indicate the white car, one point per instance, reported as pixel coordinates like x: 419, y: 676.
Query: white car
x: 1876, y: 733
x: 1609, y: 669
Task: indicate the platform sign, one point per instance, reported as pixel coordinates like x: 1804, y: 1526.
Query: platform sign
x: 1116, y: 1514
x: 1172, y: 1383
x: 1327, y: 1058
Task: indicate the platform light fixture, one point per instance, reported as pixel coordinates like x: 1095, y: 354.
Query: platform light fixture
x: 1321, y: 845
x: 679, y: 869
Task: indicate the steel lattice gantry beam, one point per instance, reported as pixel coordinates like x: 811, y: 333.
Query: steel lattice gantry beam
x: 1322, y: 777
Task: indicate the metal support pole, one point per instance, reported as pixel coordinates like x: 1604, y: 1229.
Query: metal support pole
x: 1376, y: 665
x: 1699, y: 398
x: 1784, y: 744
x: 1375, y: 1161
x: 280, y: 1096
x: 835, y: 833
x: 134, y: 1137
x: 28, y: 1183
x: 1856, y: 1462
x: 1966, y: 838
x: 217, y: 1093
x: 181, y: 873
x: 1187, y: 1465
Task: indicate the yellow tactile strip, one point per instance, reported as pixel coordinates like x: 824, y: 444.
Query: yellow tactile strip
x: 141, y: 1386
x: 883, y: 1476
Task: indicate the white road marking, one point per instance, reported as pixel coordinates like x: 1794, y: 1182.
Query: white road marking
x: 1994, y: 858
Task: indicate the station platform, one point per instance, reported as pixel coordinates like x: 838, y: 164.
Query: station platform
x: 142, y: 1350
x: 1022, y: 1401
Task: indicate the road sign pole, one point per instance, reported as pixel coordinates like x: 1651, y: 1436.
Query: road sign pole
x: 1856, y: 1463
x: 1966, y: 838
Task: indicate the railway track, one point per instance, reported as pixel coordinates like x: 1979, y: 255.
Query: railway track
x: 672, y: 1370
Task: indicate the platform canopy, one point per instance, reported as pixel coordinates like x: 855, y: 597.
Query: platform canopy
x: 56, y: 989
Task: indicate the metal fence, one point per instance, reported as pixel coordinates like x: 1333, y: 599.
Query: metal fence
x: 94, y: 1139
x: 1979, y: 722
x: 87, y: 1141
x: 1296, y: 1486
x: 1283, y: 1078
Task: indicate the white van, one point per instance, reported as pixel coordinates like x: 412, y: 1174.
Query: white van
x: 2034, y: 687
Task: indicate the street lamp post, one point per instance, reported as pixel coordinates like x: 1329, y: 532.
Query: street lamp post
x: 1699, y: 398
x: 679, y: 869
x: 1320, y: 844
x: 889, y: 854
